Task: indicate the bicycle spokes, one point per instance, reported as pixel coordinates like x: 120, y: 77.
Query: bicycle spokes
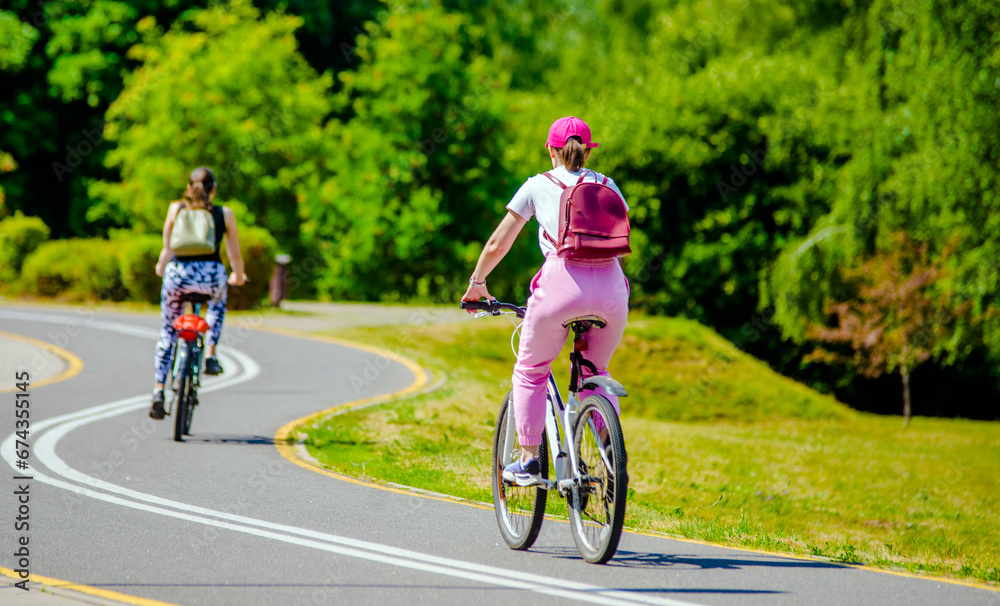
x: 598, y: 508
x: 595, y: 477
x: 519, y: 509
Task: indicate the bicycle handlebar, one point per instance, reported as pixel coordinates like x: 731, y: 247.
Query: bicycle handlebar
x: 494, y: 307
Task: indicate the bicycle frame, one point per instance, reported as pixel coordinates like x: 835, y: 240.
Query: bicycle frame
x: 555, y: 429
x: 560, y: 418
x: 181, y: 361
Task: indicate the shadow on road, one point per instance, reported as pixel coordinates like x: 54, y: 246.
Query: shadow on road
x: 229, y: 439
x: 638, y: 560
x: 631, y: 559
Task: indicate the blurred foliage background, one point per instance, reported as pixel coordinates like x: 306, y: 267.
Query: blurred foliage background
x: 765, y: 147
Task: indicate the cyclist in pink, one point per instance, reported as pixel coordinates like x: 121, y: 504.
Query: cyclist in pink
x: 562, y: 290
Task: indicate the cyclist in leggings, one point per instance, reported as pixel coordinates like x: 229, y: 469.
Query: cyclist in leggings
x: 203, y: 274
x: 562, y: 290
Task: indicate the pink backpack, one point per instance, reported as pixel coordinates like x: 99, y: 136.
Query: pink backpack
x: 593, y: 221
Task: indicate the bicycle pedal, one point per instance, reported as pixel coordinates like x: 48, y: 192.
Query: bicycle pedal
x: 566, y: 484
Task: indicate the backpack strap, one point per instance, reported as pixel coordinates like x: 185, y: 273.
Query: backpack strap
x: 556, y: 181
x: 563, y: 186
x: 580, y: 180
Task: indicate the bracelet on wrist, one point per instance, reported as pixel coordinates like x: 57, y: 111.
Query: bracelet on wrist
x: 472, y: 282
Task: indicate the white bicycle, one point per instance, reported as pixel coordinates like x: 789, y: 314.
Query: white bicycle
x: 589, y: 462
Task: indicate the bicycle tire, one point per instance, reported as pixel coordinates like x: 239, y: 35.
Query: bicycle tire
x: 190, y: 404
x: 597, y: 505
x: 185, y: 395
x: 180, y: 421
x: 192, y: 387
x: 519, y: 509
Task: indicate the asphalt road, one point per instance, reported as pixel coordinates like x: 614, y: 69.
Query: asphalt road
x: 116, y: 505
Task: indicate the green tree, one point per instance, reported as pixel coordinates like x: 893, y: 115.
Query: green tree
x: 417, y: 176
x: 226, y: 88
x: 16, y: 40
x: 723, y: 123
x: 53, y: 110
x: 924, y: 161
x: 88, y: 45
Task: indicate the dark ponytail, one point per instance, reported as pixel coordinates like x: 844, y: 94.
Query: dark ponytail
x: 573, y: 154
x: 202, y: 181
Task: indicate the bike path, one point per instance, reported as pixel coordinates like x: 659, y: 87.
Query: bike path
x: 44, y: 362
x: 225, y: 519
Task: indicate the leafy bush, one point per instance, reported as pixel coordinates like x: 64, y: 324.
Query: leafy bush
x: 258, y: 249
x: 138, y: 256
x: 77, y: 269
x: 19, y: 236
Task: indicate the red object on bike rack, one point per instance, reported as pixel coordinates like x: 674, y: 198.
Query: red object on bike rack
x: 188, y: 326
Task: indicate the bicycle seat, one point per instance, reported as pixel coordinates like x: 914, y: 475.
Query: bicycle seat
x: 586, y: 322
x: 194, y: 297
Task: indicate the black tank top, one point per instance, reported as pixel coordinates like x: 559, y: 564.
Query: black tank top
x: 220, y: 230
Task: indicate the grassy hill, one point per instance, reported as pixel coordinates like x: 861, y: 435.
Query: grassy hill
x: 679, y: 370
x: 786, y: 468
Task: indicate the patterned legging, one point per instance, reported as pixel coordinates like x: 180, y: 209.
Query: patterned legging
x: 204, y: 277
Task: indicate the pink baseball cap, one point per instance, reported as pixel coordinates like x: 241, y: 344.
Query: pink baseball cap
x: 570, y: 126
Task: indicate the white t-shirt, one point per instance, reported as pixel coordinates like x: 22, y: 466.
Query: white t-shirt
x: 539, y: 196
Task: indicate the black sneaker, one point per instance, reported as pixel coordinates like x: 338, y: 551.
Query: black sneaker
x: 212, y: 366
x: 156, y: 410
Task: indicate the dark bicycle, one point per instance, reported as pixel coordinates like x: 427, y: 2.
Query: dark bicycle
x: 185, y: 378
x: 590, y: 459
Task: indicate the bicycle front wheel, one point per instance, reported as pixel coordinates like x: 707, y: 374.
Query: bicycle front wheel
x: 597, y: 505
x: 519, y: 509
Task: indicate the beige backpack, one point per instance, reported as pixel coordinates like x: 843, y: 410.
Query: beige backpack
x: 193, y: 233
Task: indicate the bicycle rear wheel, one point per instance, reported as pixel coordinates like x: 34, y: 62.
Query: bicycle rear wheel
x: 181, y: 422
x: 191, y: 404
x: 185, y: 392
x: 519, y: 509
x: 597, y: 505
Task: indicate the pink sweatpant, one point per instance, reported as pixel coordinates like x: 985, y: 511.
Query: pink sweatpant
x: 562, y: 290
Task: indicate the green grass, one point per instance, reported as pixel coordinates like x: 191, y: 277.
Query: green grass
x: 796, y: 471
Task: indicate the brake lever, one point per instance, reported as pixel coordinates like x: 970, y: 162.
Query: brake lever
x: 480, y: 314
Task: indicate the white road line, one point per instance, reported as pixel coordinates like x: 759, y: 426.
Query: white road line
x: 57, y: 427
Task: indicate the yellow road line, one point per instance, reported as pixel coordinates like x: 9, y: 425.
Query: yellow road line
x: 73, y: 364
x: 94, y: 591
x: 282, y: 442
x: 421, y: 380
